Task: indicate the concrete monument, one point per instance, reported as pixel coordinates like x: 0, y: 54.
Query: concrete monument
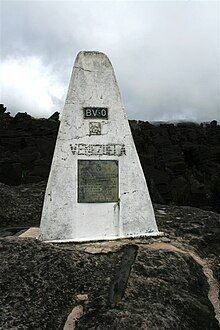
x: 96, y: 188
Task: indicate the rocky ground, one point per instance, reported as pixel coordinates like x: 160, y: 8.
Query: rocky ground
x: 20, y: 206
x: 168, y: 282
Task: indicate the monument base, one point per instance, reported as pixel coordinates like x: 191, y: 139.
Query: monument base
x: 33, y: 232
x: 104, y: 239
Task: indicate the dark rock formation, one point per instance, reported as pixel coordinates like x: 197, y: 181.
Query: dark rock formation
x: 154, y: 283
x: 21, y: 205
x: 26, y: 148
x: 2, y: 108
x: 40, y: 284
x: 181, y: 162
x: 55, y: 116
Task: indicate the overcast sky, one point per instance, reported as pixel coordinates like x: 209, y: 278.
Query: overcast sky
x: 166, y: 54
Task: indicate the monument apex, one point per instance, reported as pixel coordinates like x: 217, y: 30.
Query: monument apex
x: 96, y: 188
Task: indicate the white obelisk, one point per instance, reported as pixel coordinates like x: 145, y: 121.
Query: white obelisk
x: 96, y: 188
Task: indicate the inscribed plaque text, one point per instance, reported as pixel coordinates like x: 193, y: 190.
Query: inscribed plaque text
x: 97, y: 181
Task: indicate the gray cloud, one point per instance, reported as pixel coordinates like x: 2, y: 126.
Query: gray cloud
x: 166, y: 54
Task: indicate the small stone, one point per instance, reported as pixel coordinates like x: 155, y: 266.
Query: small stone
x: 82, y: 297
x: 165, y: 240
x: 76, y: 313
x: 161, y: 212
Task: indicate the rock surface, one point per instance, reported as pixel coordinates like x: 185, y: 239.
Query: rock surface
x: 157, y: 283
x: 26, y: 147
x: 21, y: 205
x: 181, y: 162
x: 134, y: 287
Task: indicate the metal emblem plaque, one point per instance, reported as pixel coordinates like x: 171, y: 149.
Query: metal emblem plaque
x: 97, y: 181
x: 94, y: 128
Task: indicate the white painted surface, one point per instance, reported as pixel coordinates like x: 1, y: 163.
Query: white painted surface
x: 93, y: 84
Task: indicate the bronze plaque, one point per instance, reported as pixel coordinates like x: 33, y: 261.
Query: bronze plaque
x: 97, y: 181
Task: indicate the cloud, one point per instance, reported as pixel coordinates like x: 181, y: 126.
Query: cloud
x: 27, y: 85
x: 166, y: 54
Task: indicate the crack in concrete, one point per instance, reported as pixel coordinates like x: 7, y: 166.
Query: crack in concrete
x: 119, y: 283
x: 77, y: 128
x: 79, y: 67
x: 213, y: 294
x: 128, y: 192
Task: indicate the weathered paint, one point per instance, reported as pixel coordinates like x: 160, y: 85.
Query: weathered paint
x: 93, y: 84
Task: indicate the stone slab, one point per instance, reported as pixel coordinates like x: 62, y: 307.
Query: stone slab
x: 32, y: 232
